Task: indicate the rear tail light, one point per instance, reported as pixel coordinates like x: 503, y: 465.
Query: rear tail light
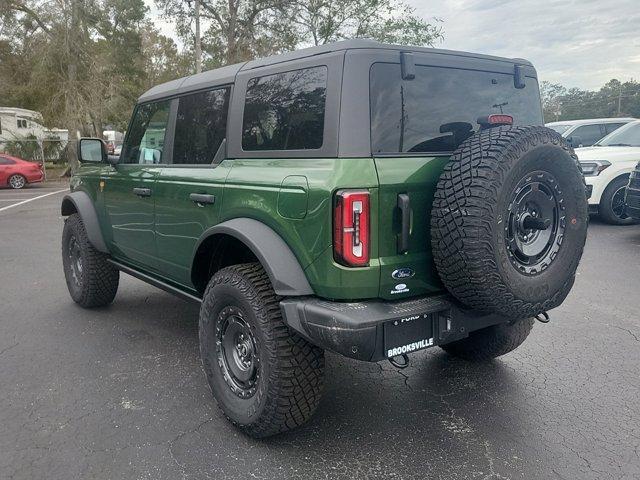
x: 351, y: 228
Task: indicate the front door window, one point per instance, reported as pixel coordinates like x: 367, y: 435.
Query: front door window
x: 145, y: 143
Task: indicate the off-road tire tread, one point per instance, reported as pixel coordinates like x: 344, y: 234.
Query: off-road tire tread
x: 491, y: 342
x: 296, y: 380
x: 464, y: 202
x: 100, y: 278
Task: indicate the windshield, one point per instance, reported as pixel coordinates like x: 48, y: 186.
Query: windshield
x: 439, y: 109
x: 627, y: 136
x: 559, y: 128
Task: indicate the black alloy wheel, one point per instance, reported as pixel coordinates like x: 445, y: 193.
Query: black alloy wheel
x: 237, y: 352
x: 536, y: 222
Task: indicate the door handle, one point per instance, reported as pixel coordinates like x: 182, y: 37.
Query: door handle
x: 142, y: 192
x: 405, y: 217
x: 202, y: 198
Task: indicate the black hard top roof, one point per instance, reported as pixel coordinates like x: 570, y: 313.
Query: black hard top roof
x: 226, y: 75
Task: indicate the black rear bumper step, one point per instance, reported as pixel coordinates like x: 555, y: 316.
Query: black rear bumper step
x: 356, y: 329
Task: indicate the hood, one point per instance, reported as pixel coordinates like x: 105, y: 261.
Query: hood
x: 610, y: 154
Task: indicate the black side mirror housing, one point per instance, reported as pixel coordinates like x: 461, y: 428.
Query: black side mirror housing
x: 92, y: 150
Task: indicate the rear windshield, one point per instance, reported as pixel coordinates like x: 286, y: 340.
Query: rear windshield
x: 439, y: 109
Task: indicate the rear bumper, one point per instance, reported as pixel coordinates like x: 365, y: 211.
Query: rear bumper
x: 34, y: 177
x: 356, y: 330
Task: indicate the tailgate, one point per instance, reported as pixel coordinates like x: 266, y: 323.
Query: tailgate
x: 412, y: 178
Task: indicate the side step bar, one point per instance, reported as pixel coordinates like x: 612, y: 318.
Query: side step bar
x: 155, y: 282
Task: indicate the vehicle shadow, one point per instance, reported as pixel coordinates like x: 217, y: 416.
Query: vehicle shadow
x: 372, y: 416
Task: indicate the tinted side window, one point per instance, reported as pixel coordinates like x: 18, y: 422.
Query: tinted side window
x: 145, y: 142
x: 439, y: 109
x: 586, y: 135
x: 610, y: 127
x: 6, y: 161
x: 201, y: 125
x: 285, y: 111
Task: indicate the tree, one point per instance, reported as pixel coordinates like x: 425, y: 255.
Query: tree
x: 240, y: 30
x: 614, y: 99
x: 389, y: 21
x: 82, y: 63
x: 237, y: 30
x: 550, y: 95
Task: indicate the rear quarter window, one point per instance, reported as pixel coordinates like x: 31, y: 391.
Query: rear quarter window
x: 285, y: 111
x: 201, y: 126
x: 439, y: 109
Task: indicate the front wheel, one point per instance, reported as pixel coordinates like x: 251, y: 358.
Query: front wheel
x: 265, y: 377
x: 491, y: 342
x: 17, y: 181
x: 91, y: 280
x: 611, y: 208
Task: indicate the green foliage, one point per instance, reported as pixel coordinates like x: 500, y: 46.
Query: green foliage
x: 83, y: 63
x: 389, y: 21
x: 27, y: 148
x: 614, y: 99
x: 117, y: 55
x: 239, y: 30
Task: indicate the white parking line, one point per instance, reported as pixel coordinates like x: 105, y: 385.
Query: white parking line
x: 32, y: 199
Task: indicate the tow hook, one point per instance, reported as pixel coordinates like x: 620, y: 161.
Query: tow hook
x: 542, y: 317
x: 397, y: 364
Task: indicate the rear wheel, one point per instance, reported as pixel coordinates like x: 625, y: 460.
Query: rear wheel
x: 91, y: 280
x: 611, y: 209
x: 491, y: 342
x: 17, y: 181
x: 265, y: 377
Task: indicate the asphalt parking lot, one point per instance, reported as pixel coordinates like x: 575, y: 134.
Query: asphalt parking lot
x: 119, y: 392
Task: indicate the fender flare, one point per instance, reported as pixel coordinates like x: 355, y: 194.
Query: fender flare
x: 81, y: 203
x: 283, y: 268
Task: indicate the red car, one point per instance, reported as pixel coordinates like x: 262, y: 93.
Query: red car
x: 16, y: 173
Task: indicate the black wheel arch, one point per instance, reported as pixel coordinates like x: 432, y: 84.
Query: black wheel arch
x: 80, y: 202
x: 242, y: 240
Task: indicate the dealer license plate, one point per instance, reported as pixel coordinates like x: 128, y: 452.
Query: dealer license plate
x: 408, y: 334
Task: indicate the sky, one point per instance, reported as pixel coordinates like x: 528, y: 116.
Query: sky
x: 577, y: 43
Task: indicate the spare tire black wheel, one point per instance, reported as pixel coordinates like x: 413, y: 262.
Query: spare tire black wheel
x: 509, y: 221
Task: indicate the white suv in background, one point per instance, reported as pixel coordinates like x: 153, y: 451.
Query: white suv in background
x: 583, y: 133
x: 606, y: 167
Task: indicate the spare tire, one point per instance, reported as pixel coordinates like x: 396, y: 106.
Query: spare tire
x: 509, y: 221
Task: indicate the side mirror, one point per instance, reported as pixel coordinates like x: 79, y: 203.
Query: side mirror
x: 92, y: 150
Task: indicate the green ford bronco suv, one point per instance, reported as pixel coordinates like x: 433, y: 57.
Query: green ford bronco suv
x: 367, y: 199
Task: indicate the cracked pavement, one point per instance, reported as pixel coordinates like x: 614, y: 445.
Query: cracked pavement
x: 119, y: 392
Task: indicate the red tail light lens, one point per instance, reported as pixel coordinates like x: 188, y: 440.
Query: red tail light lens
x: 351, y: 228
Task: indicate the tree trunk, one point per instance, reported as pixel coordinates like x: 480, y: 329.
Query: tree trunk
x: 71, y: 95
x: 232, y: 53
x: 198, y: 45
